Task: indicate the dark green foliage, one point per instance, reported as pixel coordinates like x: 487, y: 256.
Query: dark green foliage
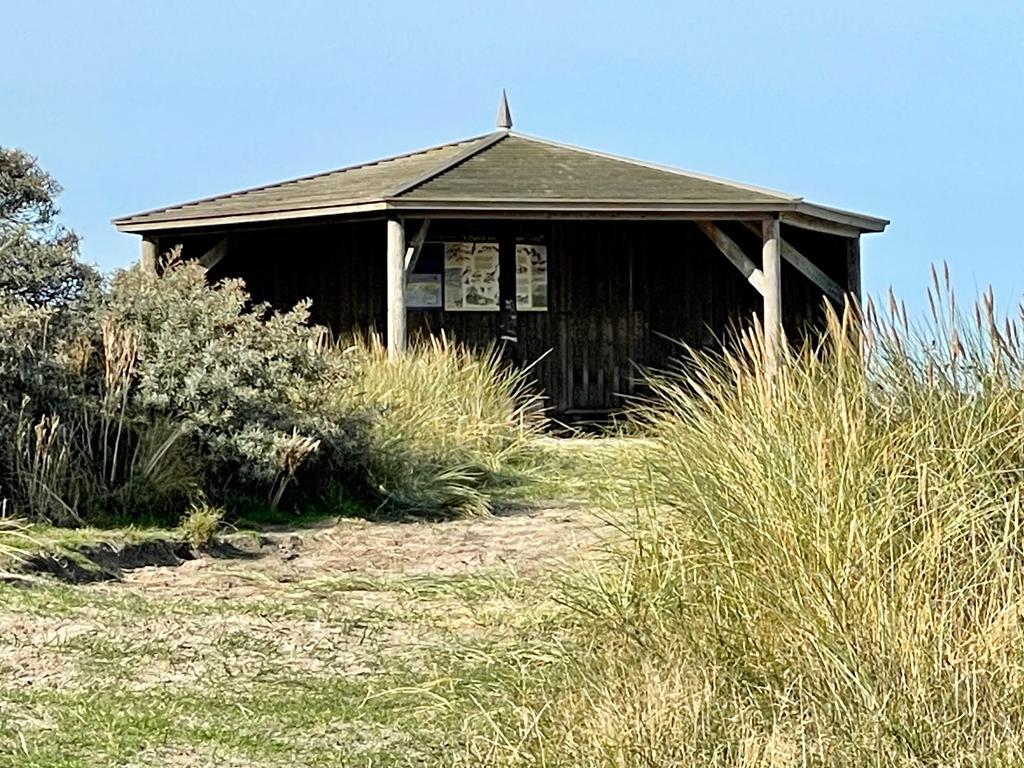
x: 44, y: 273
x: 44, y: 289
x: 28, y: 194
x: 39, y: 263
x: 45, y: 295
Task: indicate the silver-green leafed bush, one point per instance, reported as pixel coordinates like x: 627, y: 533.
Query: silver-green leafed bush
x: 231, y: 371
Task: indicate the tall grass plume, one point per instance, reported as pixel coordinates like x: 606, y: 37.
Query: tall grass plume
x: 828, y: 564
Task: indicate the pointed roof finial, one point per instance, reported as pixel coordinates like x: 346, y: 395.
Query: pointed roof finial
x: 504, y: 114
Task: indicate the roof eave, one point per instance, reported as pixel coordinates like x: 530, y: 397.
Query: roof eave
x: 860, y: 221
x: 582, y: 205
x: 133, y: 225
x: 798, y: 213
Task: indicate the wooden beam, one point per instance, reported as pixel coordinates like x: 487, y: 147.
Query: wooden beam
x: 412, y: 254
x: 733, y: 253
x: 148, y: 256
x: 577, y: 214
x: 212, y: 257
x: 853, y: 284
x: 396, y: 331
x: 693, y: 210
x: 806, y: 267
x: 771, y: 260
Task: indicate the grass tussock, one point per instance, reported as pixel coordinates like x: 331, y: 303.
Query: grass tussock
x: 827, y: 568
x: 447, y: 426
x: 201, y: 523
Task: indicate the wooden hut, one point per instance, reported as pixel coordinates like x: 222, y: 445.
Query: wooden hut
x: 590, y: 261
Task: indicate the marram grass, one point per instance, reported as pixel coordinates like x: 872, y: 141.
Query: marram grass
x: 447, y: 426
x: 827, y: 568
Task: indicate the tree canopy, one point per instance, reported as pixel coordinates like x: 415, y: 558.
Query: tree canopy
x: 39, y: 263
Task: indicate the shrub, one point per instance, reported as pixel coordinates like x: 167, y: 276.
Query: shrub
x: 129, y: 400
x: 29, y: 363
x: 33, y: 386
x: 100, y: 420
x: 443, y: 426
x: 830, y: 569
x: 231, y: 372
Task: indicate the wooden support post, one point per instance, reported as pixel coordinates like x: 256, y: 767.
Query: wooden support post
x: 509, y: 320
x: 853, y: 286
x: 396, y: 337
x: 809, y: 269
x: 771, y: 265
x: 148, y: 256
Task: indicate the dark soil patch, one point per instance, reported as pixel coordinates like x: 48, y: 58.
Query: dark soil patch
x: 106, y: 562
x: 243, y: 546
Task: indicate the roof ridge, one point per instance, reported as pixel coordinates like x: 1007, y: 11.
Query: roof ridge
x: 657, y: 167
x: 484, y: 142
x: 309, y: 177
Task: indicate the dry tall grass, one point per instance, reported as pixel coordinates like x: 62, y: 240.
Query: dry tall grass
x: 447, y: 424
x: 86, y: 455
x: 829, y: 569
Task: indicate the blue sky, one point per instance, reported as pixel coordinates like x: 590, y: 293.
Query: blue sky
x: 909, y: 110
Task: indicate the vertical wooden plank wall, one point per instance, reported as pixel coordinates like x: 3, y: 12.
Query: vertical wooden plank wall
x: 341, y: 268
x: 620, y: 293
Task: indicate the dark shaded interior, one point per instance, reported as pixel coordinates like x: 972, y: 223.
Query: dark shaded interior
x: 619, y: 292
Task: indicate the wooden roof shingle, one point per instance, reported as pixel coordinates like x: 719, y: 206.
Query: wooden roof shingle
x: 521, y: 167
x: 354, y: 184
x: 495, y: 171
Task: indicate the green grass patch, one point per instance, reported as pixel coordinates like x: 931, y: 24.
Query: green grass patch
x: 341, y: 670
